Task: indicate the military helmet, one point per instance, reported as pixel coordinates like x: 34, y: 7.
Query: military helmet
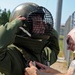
x: 23, y: 9
x: 31, y: 9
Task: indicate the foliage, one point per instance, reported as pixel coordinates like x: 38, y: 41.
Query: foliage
x: 61, y: 37
x: 4, y: 16
x: 61, y: 54
x: 61, y: 42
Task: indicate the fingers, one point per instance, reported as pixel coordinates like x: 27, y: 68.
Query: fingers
x: 26, y: 73
x: 31, y: 64
x: 38, y: 64
x: 31, y: 70
x: 21, y: 18
x: 27, y: 69
x: 41, y: 65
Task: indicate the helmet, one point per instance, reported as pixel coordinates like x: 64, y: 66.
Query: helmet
x: 31, y: 9
x: 23, y: 9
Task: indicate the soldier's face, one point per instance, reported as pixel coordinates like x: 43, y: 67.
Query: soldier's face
x: 38, y: 25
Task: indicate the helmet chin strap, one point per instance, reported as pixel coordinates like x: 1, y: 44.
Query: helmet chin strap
x: 25, y: 31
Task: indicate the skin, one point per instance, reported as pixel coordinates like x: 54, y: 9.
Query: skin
x: 45, y: 70
x: 21, y: 18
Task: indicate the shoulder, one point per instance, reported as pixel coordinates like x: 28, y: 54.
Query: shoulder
x: 54, y: 33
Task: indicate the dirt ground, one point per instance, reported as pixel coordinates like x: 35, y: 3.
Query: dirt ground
x: 60, y: 65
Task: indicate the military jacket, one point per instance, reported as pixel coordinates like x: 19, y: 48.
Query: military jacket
x: 13, y: 59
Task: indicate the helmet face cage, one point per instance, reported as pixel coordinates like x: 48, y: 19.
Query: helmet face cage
x: 46, y: 17
x: 28, y: 10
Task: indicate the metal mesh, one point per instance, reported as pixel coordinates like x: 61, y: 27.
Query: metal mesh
x: 46, y: 18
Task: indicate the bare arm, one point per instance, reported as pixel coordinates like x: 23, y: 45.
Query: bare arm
x: 45, y: 70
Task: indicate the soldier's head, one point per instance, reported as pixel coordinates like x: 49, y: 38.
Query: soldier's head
x: 38, y: 18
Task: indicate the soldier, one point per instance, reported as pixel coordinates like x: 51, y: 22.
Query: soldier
x: 28, y: 38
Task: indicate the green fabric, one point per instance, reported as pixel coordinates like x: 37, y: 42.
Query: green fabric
x: 33, y: 45
x: 7, y: 32
x: 13, y: 59
x: 52, y: 49
x: 12, y: 63
x: 54, y: 46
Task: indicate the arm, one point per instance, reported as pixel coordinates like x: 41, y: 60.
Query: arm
x: 7, y: 34
x: 71, y: 70
x: 45, y: 70
x: 54, y: 46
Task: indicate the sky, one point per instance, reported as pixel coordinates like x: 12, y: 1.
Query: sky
x: 68, y: 6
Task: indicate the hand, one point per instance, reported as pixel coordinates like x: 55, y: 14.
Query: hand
x: 32, y: 70
x: 21, y: 18
x: 43, y: 67
x: 46, y: 69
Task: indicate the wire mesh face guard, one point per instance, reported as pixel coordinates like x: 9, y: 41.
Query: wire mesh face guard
x: 47, y: 20
x: 44, y: 29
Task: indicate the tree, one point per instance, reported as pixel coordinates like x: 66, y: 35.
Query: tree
x: 4, y: 16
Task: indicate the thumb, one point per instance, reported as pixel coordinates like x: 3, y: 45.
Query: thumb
x: 31, y: 64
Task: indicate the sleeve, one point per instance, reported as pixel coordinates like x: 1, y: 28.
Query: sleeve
x: 7, y: 35
x: 53, y: 47
x: 71, y: 70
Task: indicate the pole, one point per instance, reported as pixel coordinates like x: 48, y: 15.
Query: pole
x: 58, y: 16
